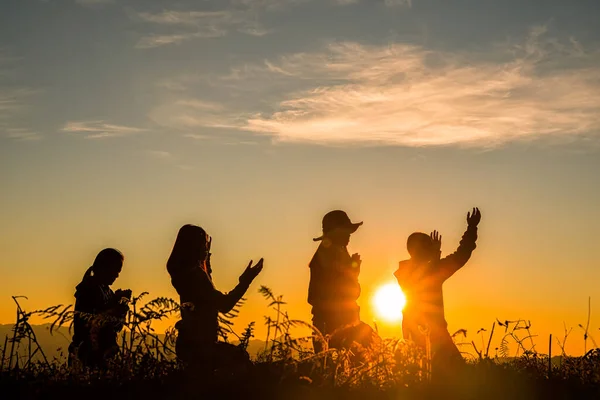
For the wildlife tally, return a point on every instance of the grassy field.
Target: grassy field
(287, 368)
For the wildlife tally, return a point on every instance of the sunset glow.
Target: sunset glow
(389, 302)
(123, 120)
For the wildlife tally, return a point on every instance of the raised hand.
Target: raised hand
(251, 272)
(474, 217)
(208, 254)
(436, 240)
(120, 303)
(120, 293)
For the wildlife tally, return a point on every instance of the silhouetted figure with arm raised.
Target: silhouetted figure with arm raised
(191, 275)
(334, 288)
(421, 279)
(99, 312)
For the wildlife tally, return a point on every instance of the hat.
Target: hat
(337, 219)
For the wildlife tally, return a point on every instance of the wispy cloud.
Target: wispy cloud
(190, 18)
(100, 129)
(241, 16)
(14, 102)
(196, 136)
(268, 5)
(404, 94)
(152, 41)
(21, 134)
(198, 24)
(389, 3)
(393, 3)
(159, 154)
(200, 104)
(168, 158)
(189, 113)
(178, 83)
(94, 3)
(13, 98)
(255, 30)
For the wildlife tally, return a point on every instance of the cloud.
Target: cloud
(100, 129)
(21, 134)
(239, 16)
(14, 102)
(159, 154)
(394, 3)
(13, 99)
(403, 94)
(389, 3)
(200, 104)
(179, 83)
(255, 30)
(198, 24)
(94, 3)
(149, 42)
(168, 159)
(190, 18)
(152, 41)
(185, 114)
(196, 136)
(268, 5)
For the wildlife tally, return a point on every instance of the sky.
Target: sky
(122, 120)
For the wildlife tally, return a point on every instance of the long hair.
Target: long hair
(105, 259)
(189, 250)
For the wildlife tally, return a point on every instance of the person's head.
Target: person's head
(420, 247)
(107, 266)
(190, 250)
(337, 227)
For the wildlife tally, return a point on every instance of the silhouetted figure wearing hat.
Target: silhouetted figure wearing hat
(191, 275)
(421, 279)
(334, 289)
(99, 312)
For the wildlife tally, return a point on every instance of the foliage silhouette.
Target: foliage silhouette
(147, 364)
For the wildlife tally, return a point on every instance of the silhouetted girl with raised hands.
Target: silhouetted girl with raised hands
(99, 312)
(191, 275)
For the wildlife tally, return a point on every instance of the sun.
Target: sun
(389, 302)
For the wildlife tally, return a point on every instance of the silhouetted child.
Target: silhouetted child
(421, 279)
(334, 289)
(191, 275)
(99, 312)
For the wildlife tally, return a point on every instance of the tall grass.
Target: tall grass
(287, 360)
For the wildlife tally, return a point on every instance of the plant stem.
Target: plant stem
(550, 357)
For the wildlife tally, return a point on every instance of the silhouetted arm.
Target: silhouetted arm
(225, 302)
(447, 266)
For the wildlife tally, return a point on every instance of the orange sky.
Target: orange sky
(474, 297)
(120, 121)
